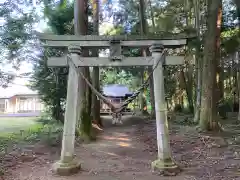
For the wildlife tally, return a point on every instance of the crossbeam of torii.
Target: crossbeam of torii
(67, 163)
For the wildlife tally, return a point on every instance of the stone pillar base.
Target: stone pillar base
(66, 168)
(165, 167)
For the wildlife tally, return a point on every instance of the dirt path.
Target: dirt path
(125, 152)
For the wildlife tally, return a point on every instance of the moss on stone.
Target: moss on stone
(164, 164)
(165, 167)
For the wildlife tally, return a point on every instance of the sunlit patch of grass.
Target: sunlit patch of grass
(14, 124)
(32, 134)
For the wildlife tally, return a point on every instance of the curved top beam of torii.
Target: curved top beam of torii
(168, 40)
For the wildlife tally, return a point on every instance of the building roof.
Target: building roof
(26, 94)
(116, 90)
(15, 90)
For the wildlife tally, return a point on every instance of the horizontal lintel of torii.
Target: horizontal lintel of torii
(106, 44)
(163, 36)
(106, 62)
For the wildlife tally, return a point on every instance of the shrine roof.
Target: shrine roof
(116, 90)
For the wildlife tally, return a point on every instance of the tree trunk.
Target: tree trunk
(189, 89)
(187, 86)
(208, 115)
(95, 73)
(220, 79)
(189, 70)
(84, 127)
(198, 63)
(151, 88)
(198, 88)
(237, 2)
(152, 15)
(145, 52)
(57, 109)
(238, 83)
(151, 83)
(143, 102)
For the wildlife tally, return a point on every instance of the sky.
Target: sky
(18, 86)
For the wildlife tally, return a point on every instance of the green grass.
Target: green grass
(15, 124)
(26, 130)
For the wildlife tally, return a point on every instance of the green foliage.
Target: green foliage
(113, 76)
(52, 85)
(170, 81)
(38, 132)
(230, 40)
(60, 19)
(16, 33)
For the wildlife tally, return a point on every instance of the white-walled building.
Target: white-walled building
(21, 103)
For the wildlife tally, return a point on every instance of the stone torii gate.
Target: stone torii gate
(67, 163)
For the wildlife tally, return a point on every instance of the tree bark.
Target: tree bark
(146, 52)
(208, 116)
(198, 63)
(143, 102)
(189, 88)
(220, 79)
(237, 2)
(238, 83)
(152, 15)
(189, 70)
(95, 73)
(57, 109)
(150, 69)
(84, 125)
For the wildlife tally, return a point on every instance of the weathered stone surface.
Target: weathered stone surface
(66, 168)
(165, 167)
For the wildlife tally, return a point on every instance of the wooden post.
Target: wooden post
(164, 161)
(67, 164)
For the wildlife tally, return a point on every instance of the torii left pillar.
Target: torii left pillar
(68, 164)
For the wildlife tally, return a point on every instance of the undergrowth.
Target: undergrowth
(185, 120)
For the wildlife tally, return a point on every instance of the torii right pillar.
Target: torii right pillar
(164, 163)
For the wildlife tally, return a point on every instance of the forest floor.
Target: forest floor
(126, 152)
